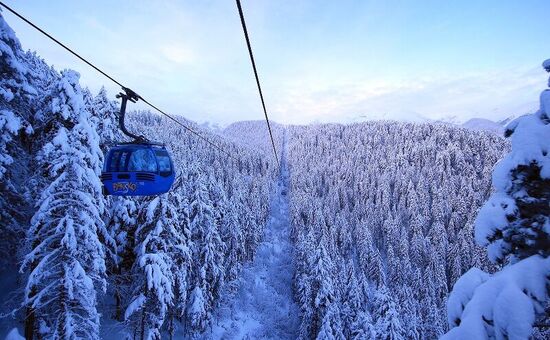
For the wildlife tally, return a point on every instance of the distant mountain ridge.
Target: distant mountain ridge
(476, 123)
(482, 124)
(236, 131)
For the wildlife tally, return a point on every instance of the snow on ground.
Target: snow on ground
(263, 305)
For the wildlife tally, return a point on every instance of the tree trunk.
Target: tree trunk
(29, 322)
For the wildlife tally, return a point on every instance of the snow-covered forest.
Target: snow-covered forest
(378, 230)
(387, 209)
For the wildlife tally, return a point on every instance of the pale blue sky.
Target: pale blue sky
(336, 61)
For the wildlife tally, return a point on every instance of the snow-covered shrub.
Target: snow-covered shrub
(514, 225)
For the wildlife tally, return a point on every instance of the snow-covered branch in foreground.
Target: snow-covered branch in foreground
(514, 225)
(503, 305)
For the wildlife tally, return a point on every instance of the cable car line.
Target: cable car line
(60, 43)
(189, 129)
(245, 31)
(126, 89)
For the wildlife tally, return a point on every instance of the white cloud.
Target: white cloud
(493, 95)
(177, 53)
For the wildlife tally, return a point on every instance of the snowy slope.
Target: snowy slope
(482, 124)
(254, 133)
(263, 305)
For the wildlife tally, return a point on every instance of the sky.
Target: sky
(318, 61)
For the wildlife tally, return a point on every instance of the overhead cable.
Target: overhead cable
(239, 7)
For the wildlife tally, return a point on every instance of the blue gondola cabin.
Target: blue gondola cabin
(137, 169)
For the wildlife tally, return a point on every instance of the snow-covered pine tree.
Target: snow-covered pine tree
(41, 75)
(363, 327)
(16, 99)
(514, 225)
(159, 244)
(105, 112)
(435, 268)
(233, 238)
(252, 228)
(106, 236)
(353, 308)
(323, 289)
(14, 88)
(248, 224)
(409, 310)
(183, 262)
(370, 258)
(122, 225)
(208, 250)
(301, 280)
(331, 324)
(66, 262)
(388, 324)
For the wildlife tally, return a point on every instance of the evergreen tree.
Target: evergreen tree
(352, 301)
(158, 245)
(105, 113)
(233, 238)
(363, 327)
(208, 250)
(14, 88)
(324, 294)
(388, 324)
(16, 98)
(302, 281)
(122, 227)
(182, 260)
(331, 325)
(66, 262)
